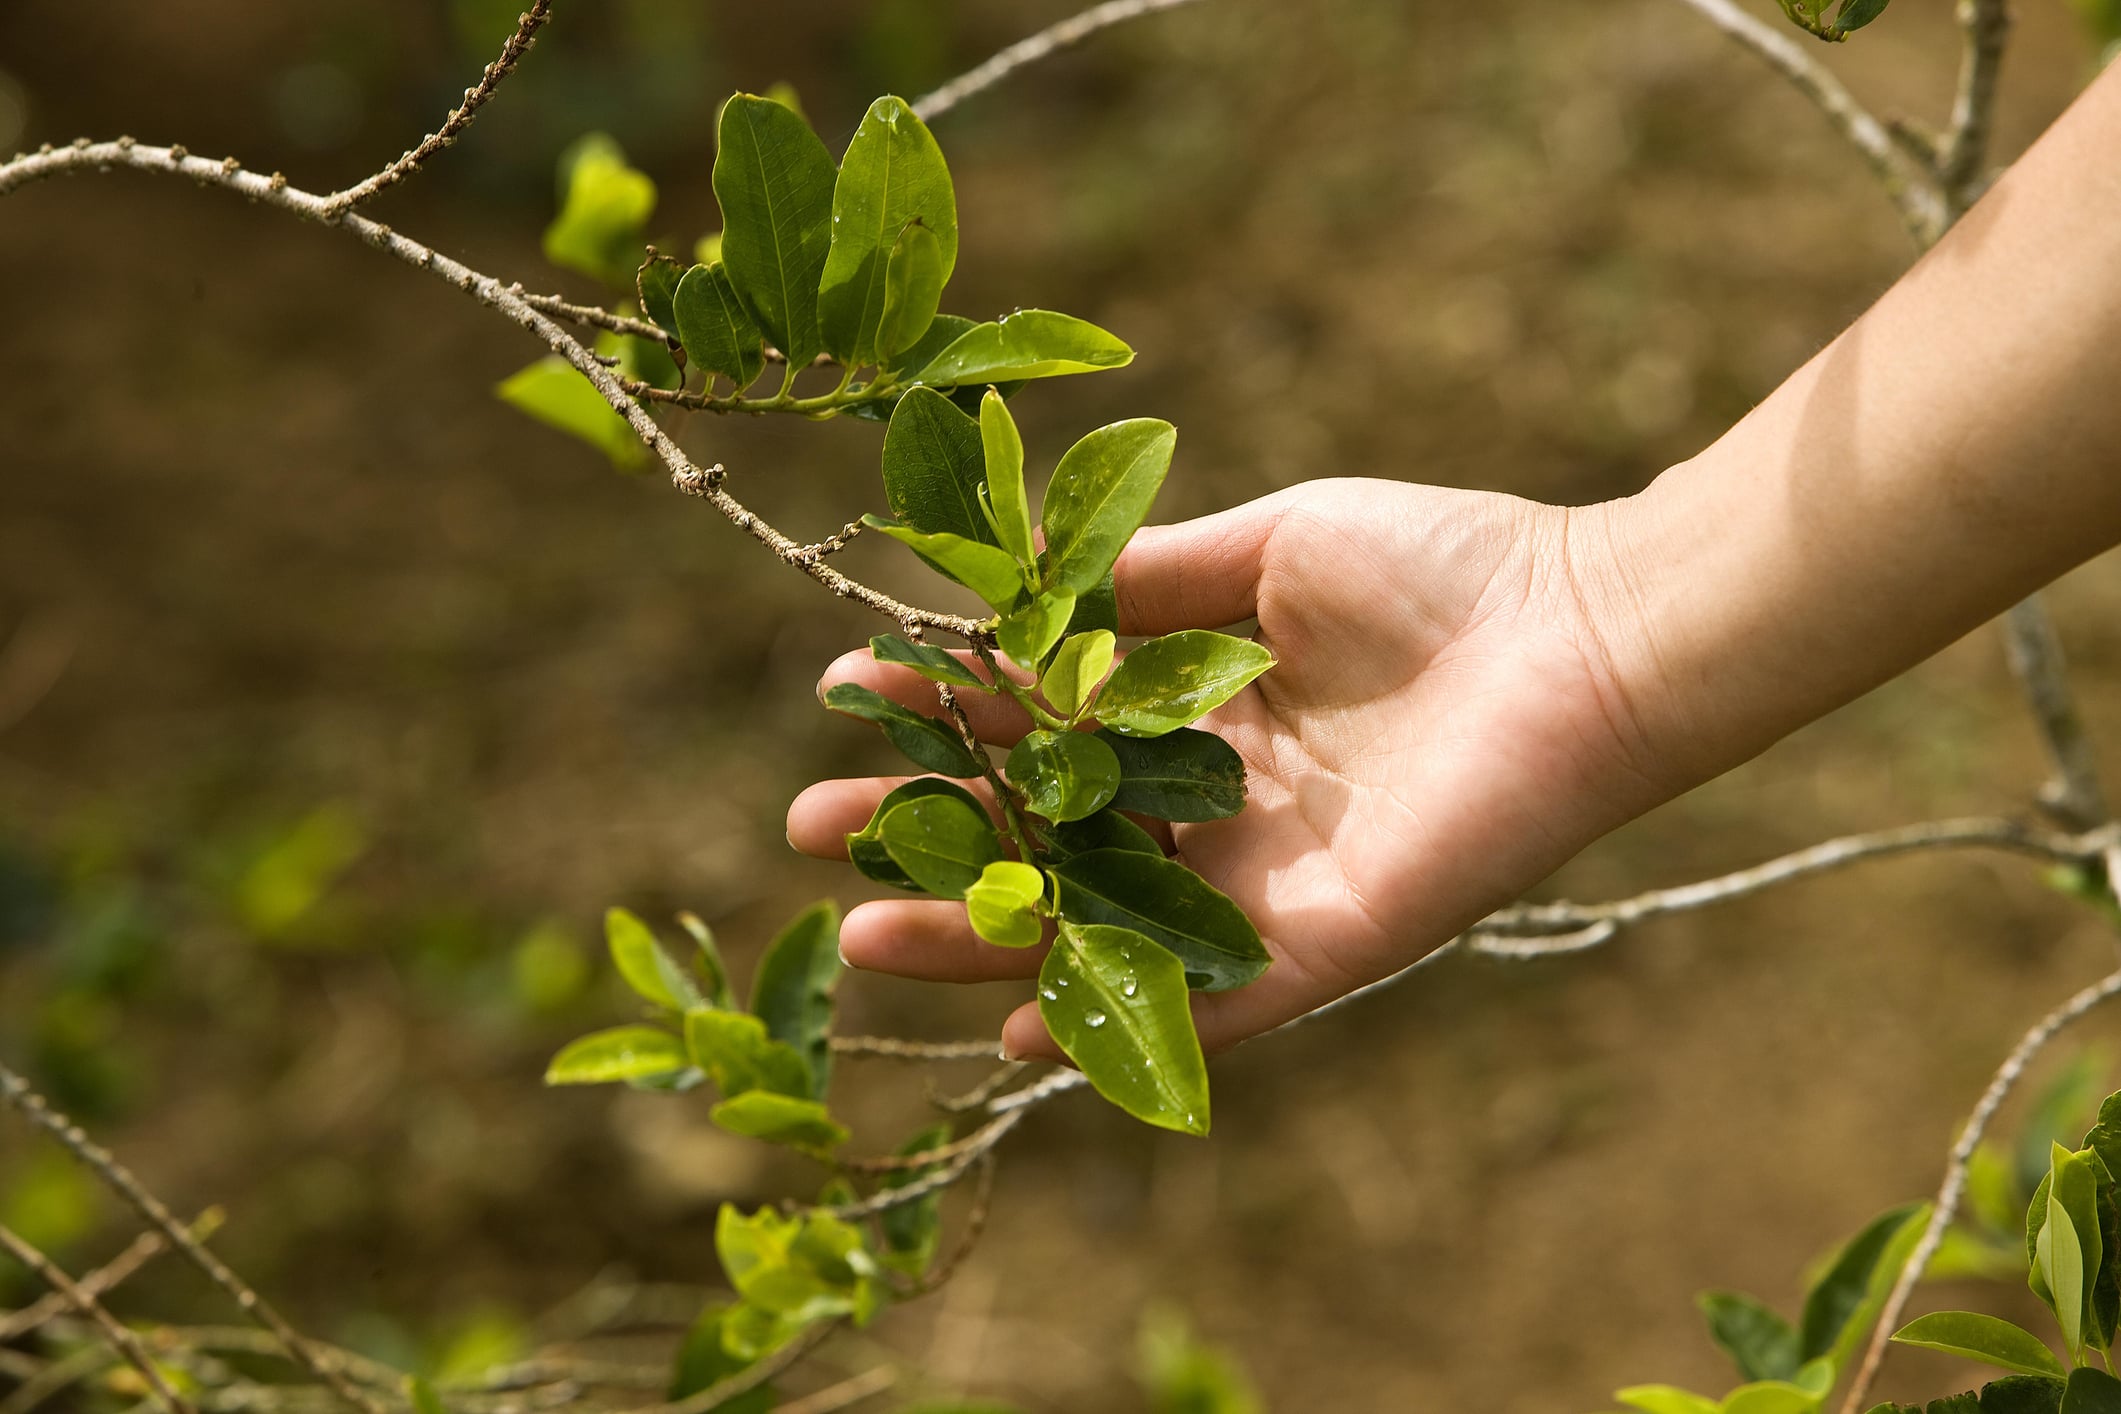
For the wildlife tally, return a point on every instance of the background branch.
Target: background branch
(1050, 40)
(84, 1301)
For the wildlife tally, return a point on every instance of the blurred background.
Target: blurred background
(337, 699)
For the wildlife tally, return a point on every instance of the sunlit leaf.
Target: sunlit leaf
(934, 466)
(931, 662)
(780, 1119)
(1006, 499)
(1107, 829)
(1100, 493)
(1063, 775)
(717, 331)
(866, 848)
(556, 394)
(739, 1057)
(1081, 664)
(641, 960)
(1179, 678)
(774, 181)
(1031, 343)
(1989, 1339)
(719, 988)
(986, 570)
(941, 843)
(1664, 1399)
(893, 179)
(1028, 634)
(1170, 904)
(622, 1053)
(704, 1361)
(1184, 775)
(803, 1268)
(604, 205)
(913, 287)
(1002, 904)
(1117, 1004)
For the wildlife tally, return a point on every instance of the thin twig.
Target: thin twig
(976, 1216)
(891, 1048)
(846, 1392)
(973, 1149)
(1984, 28)
(2036, 660)
(527, 26)
(57, 1377)
(84, 1301)
(119, 1180)
(594, 316)
(997, 1081)
(1954, 1185)
(1072, 30)
(751, 1376)
(105, 1279)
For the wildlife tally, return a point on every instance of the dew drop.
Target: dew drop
(1095, 1019)
(1126, 988)
(1049, 994)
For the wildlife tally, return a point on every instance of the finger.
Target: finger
(929, 942)
(1198, 574)
(993, 717)
(1024, 1037)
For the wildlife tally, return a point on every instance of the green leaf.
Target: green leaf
(912, 1230)
(914, 276)
(1179, 678)
(717, 971)
(604, 204)
(2022, 1394)
(1100, 493)
(1769, 1397)
(1098, 608)
(1843, 1302)
(792, 992)
(704, 1362)
(622, 1053)
(934, 466)
(1760, 1343)
(718, 333)
(554, 392)
(737, 1054)
(655, 284)
(1985, 1338)
(892, 176)
(1664, 1399)
(1077, 669)
(866, 849)
(1183, 1375)
(945, 331)
(1063, 775)
(780, 1119)
(642, 360)
(2068, 1246)
(1855, 14)
(930, 662)
(774, 181)
(931, 745)
(1004, 450)
(1107, 829)
(1117, 1004)
(2091, 1392)
(1183, 775)
(2035, 1220)
(986, 570)
(1031, 343)
(1169, 903)
(421, 1395)
(942, 844)
(1002, 904)
(643, 963)
(1029, 634)
(802, 1268)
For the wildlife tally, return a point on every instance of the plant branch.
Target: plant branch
(751, 1376)
(2036, 659)
(1053, 38)
(84, 1301)
(891, 1048)
(105, 1279)
(594, 316)
(846, 1392)
(1984, 28)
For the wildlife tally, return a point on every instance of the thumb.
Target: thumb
(1198, 574)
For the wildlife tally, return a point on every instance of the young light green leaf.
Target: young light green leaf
(941, 843)
(1169, 903)
(1664, 1399)
(986, 570)
(1002, 904)
(802, 1268)
(1183, 775)
(780, 1119)
(1116, 1003)
(933, 468)
(866, 849)
(732, 1047)
(774, 181)
(792, 992)
(912, 1230)
(1770, 1397)
(931, 745)
(1179, 678)
(421, 1395)
(656, 285)
(719, 990)
(913, 286)
(1760, 1343)
(929, 661)
(1005, 476)
(553, 392)
(1031, 343)
(1028, 634)
(1842, 1304)
(1985, 1338)
(718, 333)
(641, 960)
(604, 204)
(893, 176)
(622, 1053)
(704, 1361)
(1107, 829)
(1077, 669)
(641, 360)
(2069, 1246)
(1063, 775)
(1099, 495)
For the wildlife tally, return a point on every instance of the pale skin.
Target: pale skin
(1471, 687)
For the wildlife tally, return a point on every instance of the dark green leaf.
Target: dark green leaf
(942, 844)
(1097, 609)
(719, 990)
(2091, 1392)
(1847, 1298)
(1117, 1004)
(1990, 1340)
(703, 1362)
(2022, 1394)
(717, 331)
(1100, 493)
(737, 1054)
(1072, 679)
(1009, 506)
(1855, 14)
(911, 1230)
(1002, 904)
(1184, 775)
(1031, 343)
(934, 466)
(556, 394)
(893, 175)
(867, 850)
(641, 960)
(929, 661)
(642, 360)
(1172, 905)
(622, 1053)
(1028, 634)
(913, 286)
(1063, 775)
(774, 180)
(929, 743)
(656, 285)
(780, 1119)
(1107, 829)
(1179, 678)
(792, 992)
(2104, 1138)
(1760, 1343)
(604, 204)
(986, 570)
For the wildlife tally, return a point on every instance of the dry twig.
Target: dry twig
(84, 1301)
(1072, 30)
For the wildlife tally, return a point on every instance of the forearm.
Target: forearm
(1955, 449)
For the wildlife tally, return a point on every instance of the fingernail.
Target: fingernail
(1007, 1054)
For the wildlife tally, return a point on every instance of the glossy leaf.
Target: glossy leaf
(914, 276)
(1760, 1343)
(1007, 501)
(934, 466)
(1072, 679)
(1171, 681)
(1063, 775)
(732, 1047)
(1002, 904)
(1844, 1301)
(780, 1119)
(719, 988)
(946, 330)
(1031, 343)
(604, 205)
(931, 662)
(655, 284)
(912, 1230)
(866, 848)
(1117, 1004)
(1028, 634)
(1981, 1337)
(1171, 905)
(704, 1361)
(792, 992)
(556, 394)
(1097, 609)
(2069, 1245)
(774, 181)
(805, 1267)
(930, 744)
(1100, 493)
(986, 570)
(1184, 775)
(892, 177)
(942, 844)
(718, 333)
(641, 960)
(622, 1053)
(1107, 829)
